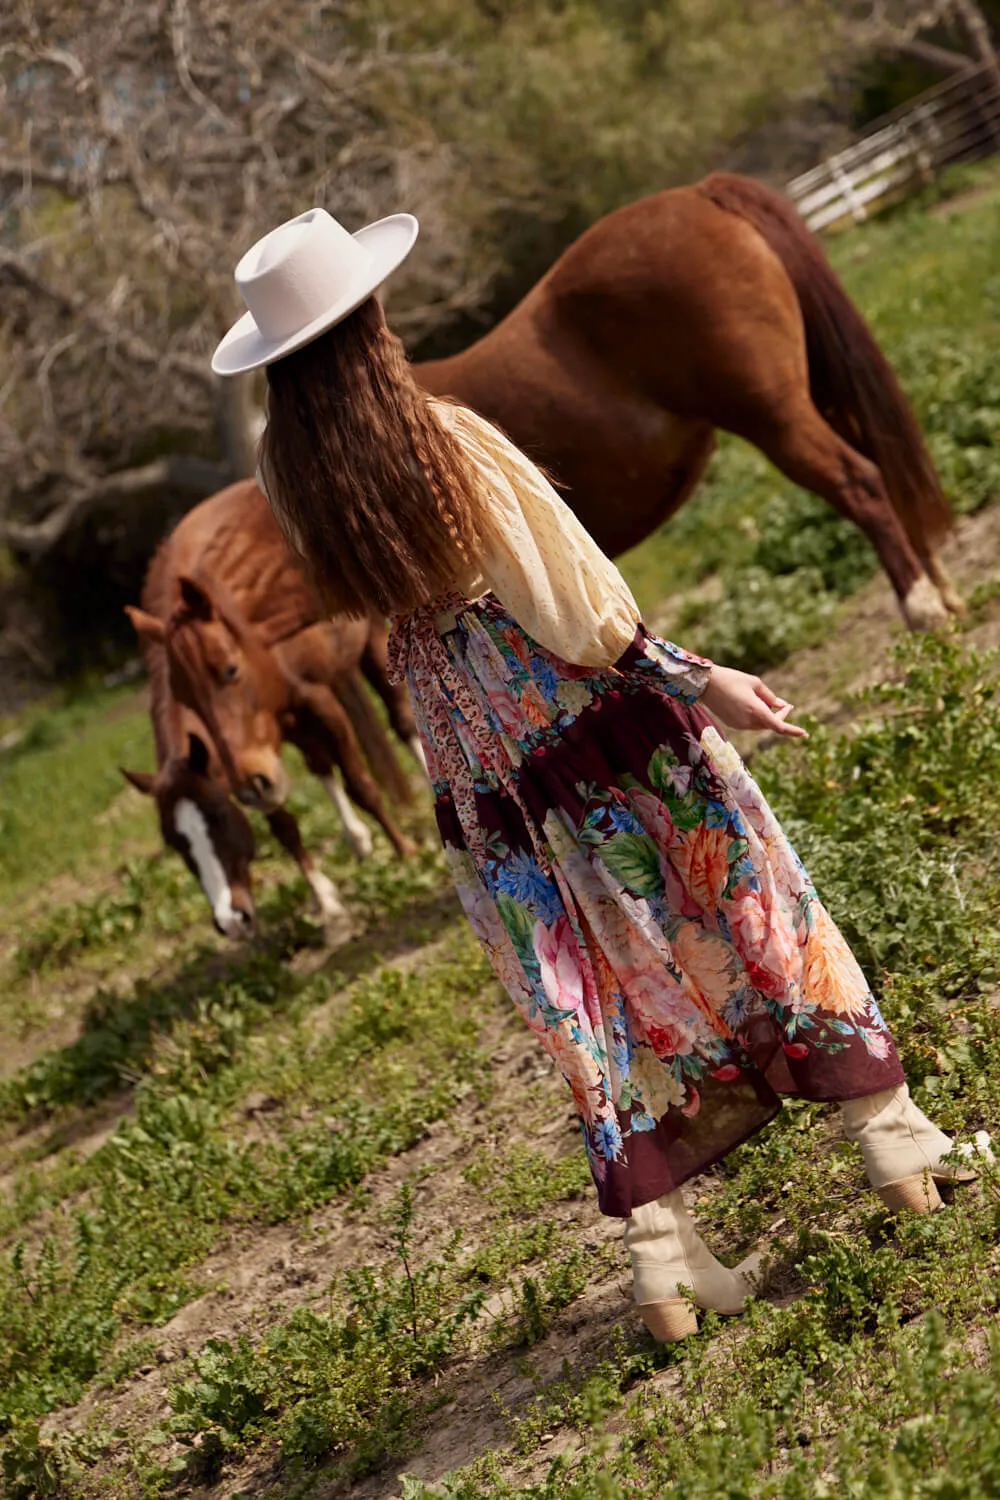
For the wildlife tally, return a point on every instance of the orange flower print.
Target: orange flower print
(533, 708)
(705, 959)
(701, 861)
(832, 977)
(518, 645)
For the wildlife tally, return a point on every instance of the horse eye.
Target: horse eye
(230, 672)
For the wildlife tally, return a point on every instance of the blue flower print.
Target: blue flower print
(609, 1138)
(522, 877)
(545, 675)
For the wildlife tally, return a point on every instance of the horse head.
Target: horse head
(209, 832)
(220, 668)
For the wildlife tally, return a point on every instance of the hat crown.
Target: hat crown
(292, 275)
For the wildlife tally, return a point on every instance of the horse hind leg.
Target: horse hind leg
(333, 913)
(944, 583)
(323, 704)
(374, 665)
(808, 451)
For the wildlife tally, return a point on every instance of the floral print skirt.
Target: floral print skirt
(636, 896)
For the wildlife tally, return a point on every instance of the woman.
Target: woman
(634, 892)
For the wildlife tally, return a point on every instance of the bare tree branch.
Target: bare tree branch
(180, 472)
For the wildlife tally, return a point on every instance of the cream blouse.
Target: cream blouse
(541, 563)
(539, 560)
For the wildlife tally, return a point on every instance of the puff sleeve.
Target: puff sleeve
(546, 568)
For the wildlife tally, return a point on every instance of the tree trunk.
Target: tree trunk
(239, 423)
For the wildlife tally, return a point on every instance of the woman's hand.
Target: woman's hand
(744, 702)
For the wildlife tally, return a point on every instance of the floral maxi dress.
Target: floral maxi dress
(635, 894)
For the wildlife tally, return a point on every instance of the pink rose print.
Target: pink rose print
(559, 959)
(654, 817)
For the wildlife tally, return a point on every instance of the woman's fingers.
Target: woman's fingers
(767, 694)
(774, 713)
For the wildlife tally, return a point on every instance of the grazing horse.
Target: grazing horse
(201, 822)
(707, 307)
(244, 662)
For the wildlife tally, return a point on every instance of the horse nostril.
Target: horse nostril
(261, 784)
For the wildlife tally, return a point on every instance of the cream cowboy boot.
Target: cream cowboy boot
(667, 1254)
(903, 1150)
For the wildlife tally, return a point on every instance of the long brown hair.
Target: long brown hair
(368, 486)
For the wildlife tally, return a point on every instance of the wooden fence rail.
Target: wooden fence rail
(959, 120)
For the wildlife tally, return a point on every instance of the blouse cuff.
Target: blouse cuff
(688, 675)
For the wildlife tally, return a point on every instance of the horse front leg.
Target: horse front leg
(356, 831)
(322, 703)
(284, 825)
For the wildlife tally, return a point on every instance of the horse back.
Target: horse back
(232, 542)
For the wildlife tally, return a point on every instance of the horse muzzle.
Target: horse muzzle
(264, 789)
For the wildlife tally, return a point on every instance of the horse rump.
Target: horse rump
(851, 382)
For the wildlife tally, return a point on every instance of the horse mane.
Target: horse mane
(163, 710)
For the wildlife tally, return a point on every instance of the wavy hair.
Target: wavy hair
(367, 485)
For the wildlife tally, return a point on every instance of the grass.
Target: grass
(176, 1106)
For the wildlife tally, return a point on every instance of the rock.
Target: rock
(259, 1103)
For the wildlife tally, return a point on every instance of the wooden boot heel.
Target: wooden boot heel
(671, 1320)
(917, 1194)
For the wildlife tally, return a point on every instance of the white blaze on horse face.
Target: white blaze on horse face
(189, 821)
(417, 751)
(356, 832)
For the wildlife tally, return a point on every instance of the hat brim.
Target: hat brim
(388, 243)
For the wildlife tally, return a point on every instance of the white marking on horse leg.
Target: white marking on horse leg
(355, 831)
(417, 751)
(190, 823)
(939, 575)
(923, 607)
(331, 907)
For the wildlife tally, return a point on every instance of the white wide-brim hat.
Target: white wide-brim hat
(303, 278)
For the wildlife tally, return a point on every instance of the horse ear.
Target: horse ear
(197, 755)
(196, 600)
(147, 627)
(143, 781)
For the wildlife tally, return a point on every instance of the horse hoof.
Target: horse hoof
(361, 843)
(338, 929)
(923, 608)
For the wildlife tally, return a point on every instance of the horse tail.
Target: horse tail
(851, 382)
(374, 740)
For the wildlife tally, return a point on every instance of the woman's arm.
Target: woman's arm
(546, 568)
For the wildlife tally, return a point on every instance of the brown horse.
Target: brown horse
(207, 829)
(249, 661)
(699, 308)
